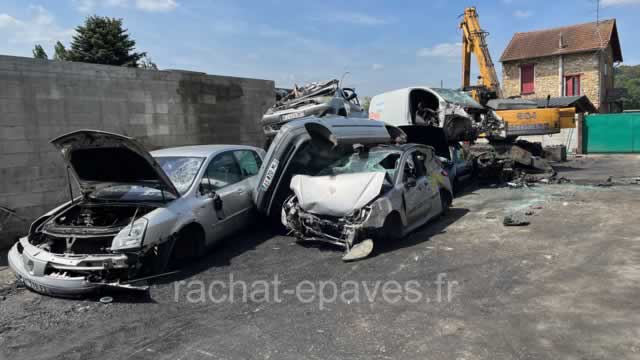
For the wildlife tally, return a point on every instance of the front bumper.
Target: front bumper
(309, 227)
(48, 273)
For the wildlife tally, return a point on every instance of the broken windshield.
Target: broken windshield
(366, 161)
(180, 170)
(458, 97)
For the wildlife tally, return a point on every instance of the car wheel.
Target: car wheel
(189, 244)
(445, 201)
(156, 261)
(392, 228)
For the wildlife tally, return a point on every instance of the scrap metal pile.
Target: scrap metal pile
(505, 161)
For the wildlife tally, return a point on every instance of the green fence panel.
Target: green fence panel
(636, 134)
(612, 133)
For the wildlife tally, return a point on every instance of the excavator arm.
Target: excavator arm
(474, 41)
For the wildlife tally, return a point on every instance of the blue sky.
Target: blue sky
(383, 44)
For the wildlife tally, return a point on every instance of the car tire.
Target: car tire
(445, 201)
(188, 245)
(157, 259)
(392, 228)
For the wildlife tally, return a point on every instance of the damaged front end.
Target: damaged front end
(343, 231)
(82, 247)
(98, 238)
(342, 210)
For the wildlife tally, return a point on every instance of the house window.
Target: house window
(572, 85)
(527, 79)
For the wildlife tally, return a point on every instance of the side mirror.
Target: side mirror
(411, 182)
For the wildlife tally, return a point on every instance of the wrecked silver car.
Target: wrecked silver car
(379, 193)
(138, 213)
(346, 181)
(319, 99)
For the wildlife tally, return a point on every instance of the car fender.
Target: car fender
(34, 225)
(163, 222)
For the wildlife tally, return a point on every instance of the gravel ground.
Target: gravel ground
(565, 286)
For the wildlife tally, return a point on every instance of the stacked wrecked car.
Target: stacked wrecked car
(314, 99)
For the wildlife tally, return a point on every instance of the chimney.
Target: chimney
(561, 43)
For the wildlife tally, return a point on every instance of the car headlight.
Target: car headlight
(131, 236)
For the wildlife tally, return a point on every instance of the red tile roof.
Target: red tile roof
(576, 38)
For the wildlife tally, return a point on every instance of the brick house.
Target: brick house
(565, 61)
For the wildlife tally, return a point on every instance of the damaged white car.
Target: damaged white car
(138, 213)
(380, 193)
(350, 182)
(454, 111)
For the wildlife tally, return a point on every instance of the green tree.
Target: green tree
(366, 102)
(60, 53)
(628, 77)
(103, 40)
(39, 53)
(147, 63)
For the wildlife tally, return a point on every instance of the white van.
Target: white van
(452, 110)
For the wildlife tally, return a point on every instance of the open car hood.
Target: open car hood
(337, 195)
(98, 157)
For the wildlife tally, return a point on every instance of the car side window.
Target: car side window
(222, 171)
(249, 162)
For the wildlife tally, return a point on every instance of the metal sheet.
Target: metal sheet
(612, 133)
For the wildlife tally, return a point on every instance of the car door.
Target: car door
(416, 190)
(432, 172)
(223, 179)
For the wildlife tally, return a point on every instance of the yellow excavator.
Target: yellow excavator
(518, 118)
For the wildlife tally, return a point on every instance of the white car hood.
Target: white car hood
(337, 195)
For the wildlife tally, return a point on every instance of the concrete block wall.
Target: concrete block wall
(42, 99)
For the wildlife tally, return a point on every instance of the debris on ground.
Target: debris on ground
(515, 219)
(106, 299)
(556, 153)
(519, 162)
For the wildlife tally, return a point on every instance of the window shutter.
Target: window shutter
(526, 79)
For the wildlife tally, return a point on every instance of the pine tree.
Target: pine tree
(39, 53)
(60, 53)
(103, 40)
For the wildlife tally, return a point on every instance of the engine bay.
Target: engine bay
(85, 228)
